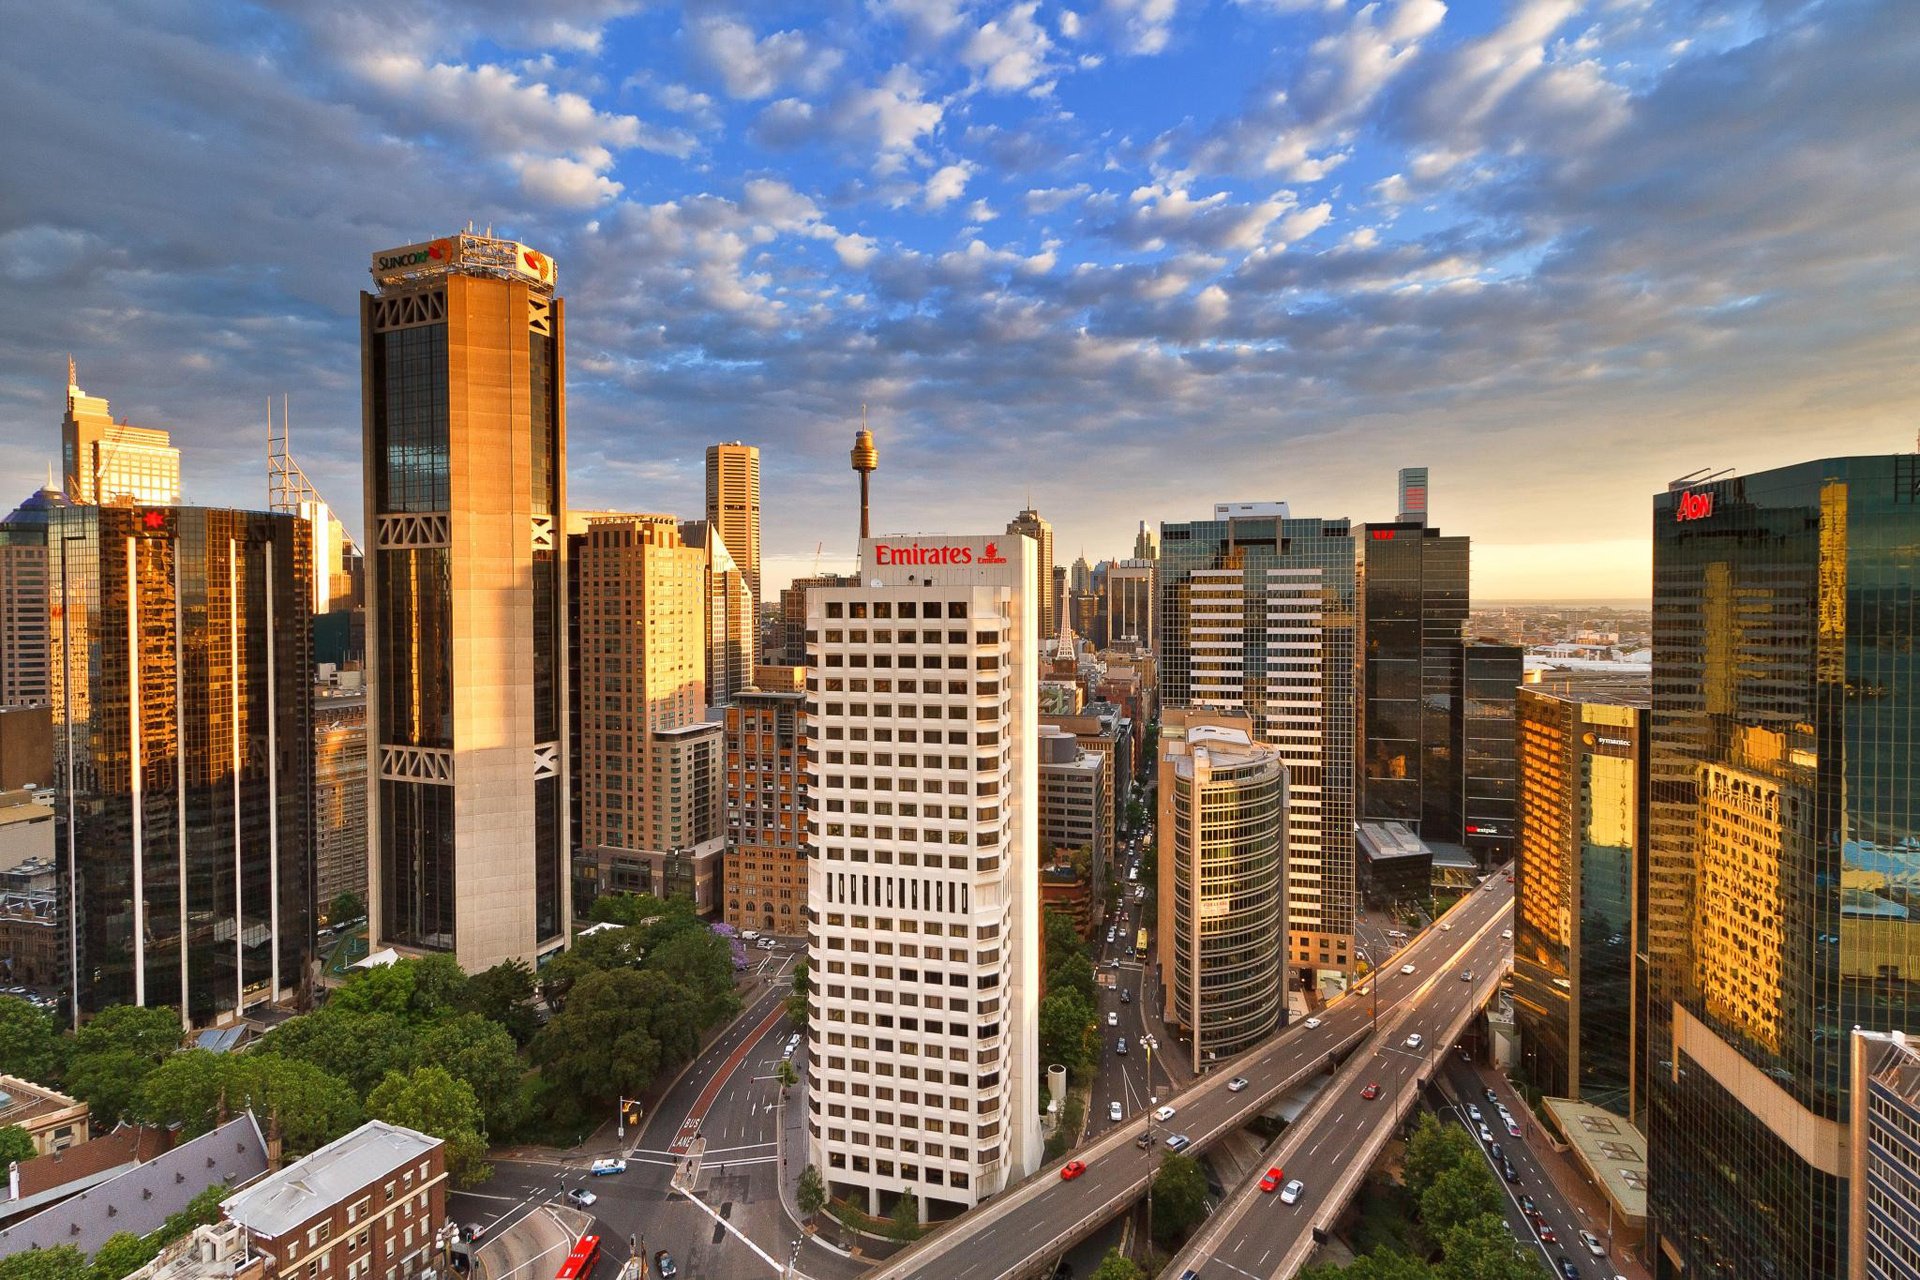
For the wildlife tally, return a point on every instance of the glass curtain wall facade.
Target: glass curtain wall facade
(183, 754)
(1257, 614)
(464, 426)
(1488, 783)
(1783, 867)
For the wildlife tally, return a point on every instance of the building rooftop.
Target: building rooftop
(22, 1100)
(1380, 840)
(1613, 1152)
(276, 1205)
(143, 1197)
(1612, 690)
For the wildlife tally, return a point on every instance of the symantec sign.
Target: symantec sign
(923, 553)
(1693, 506)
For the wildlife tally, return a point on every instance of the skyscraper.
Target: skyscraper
(925, 941)
(649, 763)
(1483, 743)
(108, 462)
(1034, 526)
(464, 411)
(1257, 615)
(1145, 545)
(339, 796)
(767, 748)
(26, 609)
(732, 616)
(1129, 600)
(183, 756)
(1413, 495)
(1580, 865)
(1783, 822)
(733, 507)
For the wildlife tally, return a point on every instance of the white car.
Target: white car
(1312, 1023)
(1507, 933)
(1236, 1084)
(1473, 1113)
(1113, 1018)
(1593, 1244)
(1486, 1135)
(603, 1167)
(1113, 1112)
(580, 1197)
(1291, 1193)
(1395, 934)
(1163, 1115)
(749, 934)
(1406, 968)
(1414, 1041)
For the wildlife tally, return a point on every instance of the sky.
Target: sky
(1116, 259)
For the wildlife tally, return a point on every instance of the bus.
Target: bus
(1140, 944)
(579, 1263)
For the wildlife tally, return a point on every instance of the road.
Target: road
(1034, 1222)
(1258, 1235)
(1123, 1078)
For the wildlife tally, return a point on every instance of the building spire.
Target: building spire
(73, 376)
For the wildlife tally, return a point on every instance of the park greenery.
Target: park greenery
(1179, 1198)
(1462, 1231)
(1069, 1015)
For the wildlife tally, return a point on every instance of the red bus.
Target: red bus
(579, 1263)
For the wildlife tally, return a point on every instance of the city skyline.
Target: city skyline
(1307, 248)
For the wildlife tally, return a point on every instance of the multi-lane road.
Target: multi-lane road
(1025, 1227)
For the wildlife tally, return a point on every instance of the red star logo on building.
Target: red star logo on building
(154, 519)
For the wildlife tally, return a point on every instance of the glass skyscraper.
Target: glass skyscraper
(464, 419)
(183, 750)
(1784, 856)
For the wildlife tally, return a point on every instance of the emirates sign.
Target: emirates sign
(1693, 506)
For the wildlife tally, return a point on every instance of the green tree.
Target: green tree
(62, 1262)
(1117, 1266)
(1062, 939)
(204, 1208)
(786, 1074)
(113, 1053)
(30, 1044)
(1066, 1024)
(439, 987)
(812, 1191)
(436, 1103)
(1484, 1249)
(1383, 1264)
(1432, 1150)
(15, 1144)
(594, 953)
(482, 1054)
(1074, 974)
(504, 994)
(603, 1043)
(348, 1040)
(1179, 1198)
(109, 1083)
(904, 1223)
(797, 1002)
(344, 908)
(123, 1252)
(631, 908)
(185, 1090)
(1457, 1196)
(701, 961)
(385, 988)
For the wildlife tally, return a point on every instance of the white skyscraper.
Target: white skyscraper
(923, 891)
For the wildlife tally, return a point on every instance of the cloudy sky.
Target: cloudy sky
(1121, 258)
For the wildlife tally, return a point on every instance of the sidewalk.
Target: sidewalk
(1566, 1174)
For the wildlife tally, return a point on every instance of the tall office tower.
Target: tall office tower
(1413, 606)
(183, 754)
(1082, 577)
(767, 744)
(733, 507)
(1145, 545)
(1413, 495)
(1483, 743)
(650, 772)
(923, 892)
(339, 796)
(1579, 867)
(1883, 1223)
(1076, 809)
(26, 609)
(1105, 730)
(732, 618)
(1784, 818)
(1034, 526)
(1222, 894)
(1256, 615)
(462, 358)
(1129, 599)
(793, 613)
(107, 462)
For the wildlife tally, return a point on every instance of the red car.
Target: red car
(1272, 1181)
(1072, 1169)
(1546, 1234)
(1371, 1092)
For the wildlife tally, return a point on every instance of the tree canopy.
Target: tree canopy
(1179, 1198)
(435, 1102)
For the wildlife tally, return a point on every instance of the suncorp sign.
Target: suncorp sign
(434, 252)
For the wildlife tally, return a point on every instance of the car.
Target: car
(663, 1265)
(1546, 1232)
(1072, 1169)
(1120, 1046)
(1509, 877)
(1473, 1113)
(1415, 1040)
(1396, 934)
(1466, 975)
(749, 935)
(1567, 1269)
(1163, 1115)
(1526, 1205)
(1493, 1149)
(1144, 1141)
(1236, 1084)
(1446, 926)
(1486, 1134)
(476, 1230)
(1593, 1244)
(1507, 934)
(1113, 1111)
(1313, 1024)
(1179, 1142)
(1513, 1130)
(1406, 968)
(581, 1198)
(1113, 1018)
(1293, 1191)
(613, 1164)
(1109, 933)
(1371, 1092)
(1508, 1172)
(1126, 996)
(1271, 1182)
(1493, 1097)
(766, 944)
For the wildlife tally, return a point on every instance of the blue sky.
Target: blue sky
(1119, 258)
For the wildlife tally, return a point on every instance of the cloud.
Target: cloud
(749, 67)
(1140, 26)
(947, 184)
(890, 118)
(1010, 52)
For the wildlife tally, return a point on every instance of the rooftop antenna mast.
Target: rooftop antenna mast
(287, 484)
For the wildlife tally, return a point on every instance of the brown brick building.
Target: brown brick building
(766, 877)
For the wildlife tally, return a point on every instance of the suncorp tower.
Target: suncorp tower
(922, 894)
(464, 411)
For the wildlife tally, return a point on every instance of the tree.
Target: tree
(15, 1144)
(797, 1002)
(504, 994)
(786, 1074)
(631, 908)
(1458, 1196)
(62, 1262)
(439, 987)
(1065, 1021)
(113, 1053)
(122, 1253)
(345, 907)
(482, 1054)
(30, 1045)
(812, 1192)
(1383, 1264)
(109, 1083)
(1074, 974)
(185, 1090)
(349, 1040)
(311, 1107)
(204, 1208)
(601, 1045)
(904, 1223)
(385, 988)
(701, 961)
(1179, 1198)
(1484, 1249)
(1433, 1149)
(1117, 1266)
(432, 1101)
